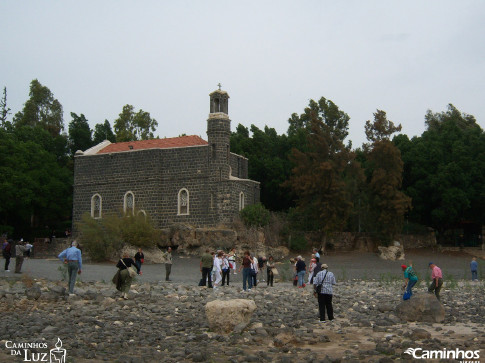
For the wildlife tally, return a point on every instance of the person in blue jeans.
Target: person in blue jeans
(474, 269)
(300, 268)
(246, 270)
(410, 278)
(73, 259)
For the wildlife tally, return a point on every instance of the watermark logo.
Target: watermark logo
(24, 350)
(465, 356)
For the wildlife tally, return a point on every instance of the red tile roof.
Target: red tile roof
(182, 141)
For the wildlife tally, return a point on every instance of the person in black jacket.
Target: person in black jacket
(139, 258)
(7, 253)
(125, 278)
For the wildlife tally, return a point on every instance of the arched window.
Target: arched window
(183, 202)
(96, 206)
(241, 201)
(129, 203)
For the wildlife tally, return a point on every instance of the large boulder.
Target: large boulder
(224, 315)
(423, 307)
(392, 253)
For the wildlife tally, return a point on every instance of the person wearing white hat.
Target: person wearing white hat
(323, 285)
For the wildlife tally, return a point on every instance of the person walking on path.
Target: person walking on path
(410, 278)
(7, 253)
(226, 270)
(206, 263)
(474, 269)
(437, 277)
(246, 270)
(323, 288)
(270, 265)
(300, 269)
(19, 256)
(255, 270)
(218, 269)
(72, 257)
(139, 259)
(168, 263)
(125, 277)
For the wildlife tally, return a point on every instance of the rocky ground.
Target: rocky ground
(165, 322)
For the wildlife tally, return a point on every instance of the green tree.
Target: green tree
(41, 109)
(321, 174)
(4, 110)
(79, 134)
(103, 132)
(387, 203)
(267, 153)
(36, 187)
(131, 126)
(445, 171)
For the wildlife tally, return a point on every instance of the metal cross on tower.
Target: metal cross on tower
(219, 85)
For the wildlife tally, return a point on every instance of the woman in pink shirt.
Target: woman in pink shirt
(437, 280)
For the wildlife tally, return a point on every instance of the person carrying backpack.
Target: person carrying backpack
(410, 279)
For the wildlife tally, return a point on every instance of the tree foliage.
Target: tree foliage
(36, 182)
(321, 174)
(80, 134)
(387, 204)
(267, 153)
(42, 110)
(131, 126)
(103, 132)
(4, 110)
(444, 170)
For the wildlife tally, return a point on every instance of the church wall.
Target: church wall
(239, 166)
(155, 177)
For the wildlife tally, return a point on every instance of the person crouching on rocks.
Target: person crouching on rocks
(410, 278)
(125, 278)
(323, 289)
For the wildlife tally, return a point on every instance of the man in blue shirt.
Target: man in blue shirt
(325, 279)
(474, 269)
(72, 257)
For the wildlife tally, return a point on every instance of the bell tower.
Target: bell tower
(219, 135)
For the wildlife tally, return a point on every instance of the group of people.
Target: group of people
(216, 269)
(411, 278)
(22, 250)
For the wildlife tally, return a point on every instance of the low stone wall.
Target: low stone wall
(348, 241)
(194, 241)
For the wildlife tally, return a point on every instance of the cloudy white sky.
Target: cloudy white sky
(272, 57)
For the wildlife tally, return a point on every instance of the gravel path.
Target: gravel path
(350, 265)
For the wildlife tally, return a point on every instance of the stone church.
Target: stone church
(180, 180)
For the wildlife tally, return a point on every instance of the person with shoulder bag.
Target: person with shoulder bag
(323, 289)
(128, 269)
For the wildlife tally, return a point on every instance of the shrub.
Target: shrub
(298, 242)
(255, 215)
(103, 237)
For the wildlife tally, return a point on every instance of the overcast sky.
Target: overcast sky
(272, 57)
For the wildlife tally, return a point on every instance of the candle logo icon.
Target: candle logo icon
(58, 354)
